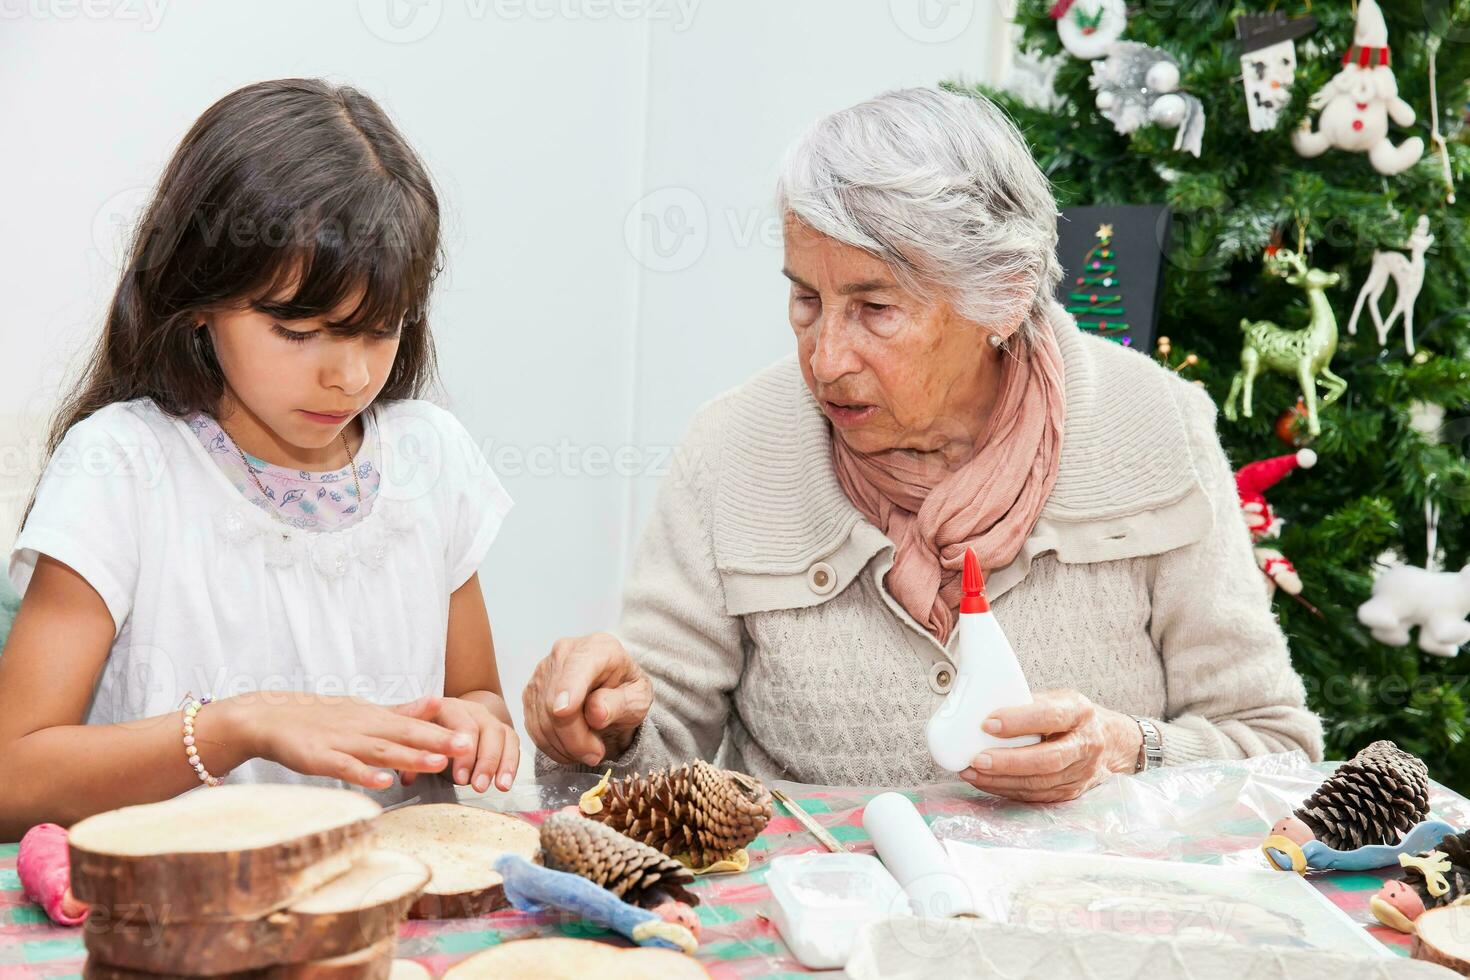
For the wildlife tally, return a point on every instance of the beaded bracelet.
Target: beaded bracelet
(192, 708)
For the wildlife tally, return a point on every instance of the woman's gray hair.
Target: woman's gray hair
(940, 186)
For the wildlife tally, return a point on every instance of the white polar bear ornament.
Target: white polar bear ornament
(1359, 101)
(1437, 602)
(1087, 28)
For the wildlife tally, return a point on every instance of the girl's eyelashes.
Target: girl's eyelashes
(293, 336)
(302, 336)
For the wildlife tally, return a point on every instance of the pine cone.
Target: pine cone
(1456, 847)
(1373, 798)
(698, 810)
(634, 872)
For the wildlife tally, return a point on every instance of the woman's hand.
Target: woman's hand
(495, 749)
(586, 699)
(1082, 745)
(344, 738)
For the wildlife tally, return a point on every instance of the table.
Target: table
(738, 942)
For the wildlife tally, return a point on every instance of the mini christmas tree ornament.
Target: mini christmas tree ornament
(1375, 798)
(1087, 28)
(1301, 354)
(1407, 273)
(1251, 483)
(696, 810)
(1431, 879)
(1268, 62)
(1095, 301)
(632, 871)
(1359, 101)
(1137, 84)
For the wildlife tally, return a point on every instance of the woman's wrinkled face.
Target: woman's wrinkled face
(292, 387)
(890, 369)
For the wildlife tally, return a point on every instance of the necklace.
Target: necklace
(351, 462)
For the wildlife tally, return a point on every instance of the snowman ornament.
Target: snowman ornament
(1358, 102)
(1268, 63)
(1087, 28)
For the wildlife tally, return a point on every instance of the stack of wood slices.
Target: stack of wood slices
(282, 882)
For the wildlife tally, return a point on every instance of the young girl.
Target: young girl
(252, 554)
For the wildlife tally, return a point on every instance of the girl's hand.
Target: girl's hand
(344, 738)
(1082, 745)
(494, 749)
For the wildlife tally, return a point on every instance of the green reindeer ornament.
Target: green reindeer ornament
(1304, 354)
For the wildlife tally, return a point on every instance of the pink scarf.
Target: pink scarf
(989, 504)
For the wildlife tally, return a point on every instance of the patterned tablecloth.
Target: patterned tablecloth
(738, 940)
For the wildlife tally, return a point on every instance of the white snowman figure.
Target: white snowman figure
(1357, 104)
(1087, 28)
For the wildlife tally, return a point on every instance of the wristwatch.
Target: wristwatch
(1151, 752)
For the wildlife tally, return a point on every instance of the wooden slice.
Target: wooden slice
(370, 963)
(361, 908)
(575, 959)
(459, 843)
(223, 852)
(1442, 936)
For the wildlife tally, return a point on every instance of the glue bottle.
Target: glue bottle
(988, 677)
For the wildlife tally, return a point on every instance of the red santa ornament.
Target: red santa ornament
(1358, 102)
(1251, 483)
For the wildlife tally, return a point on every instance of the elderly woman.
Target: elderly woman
(794, 597)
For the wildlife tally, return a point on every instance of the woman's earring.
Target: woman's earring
(996, 340)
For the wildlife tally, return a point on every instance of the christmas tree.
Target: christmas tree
(1091, 297)
(1392, 447)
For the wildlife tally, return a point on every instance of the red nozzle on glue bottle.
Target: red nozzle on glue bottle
(988, 676)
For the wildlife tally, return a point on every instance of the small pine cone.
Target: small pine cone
(634, 872)
(696, 809)
(1373, 798)
(1456, 847)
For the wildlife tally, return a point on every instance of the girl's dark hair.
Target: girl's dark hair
(281, 184)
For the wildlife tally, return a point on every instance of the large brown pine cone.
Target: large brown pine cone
(634, 872)
(696, 809)
(1373, 798)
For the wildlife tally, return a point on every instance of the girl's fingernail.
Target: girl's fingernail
(462, 776)
(591, 758)
(968, 775)
(992, 726)
(435, 759)
(982, 761)
(504, 782)
(482, 783)
(562, 700)
(460, 741)
(385, 778)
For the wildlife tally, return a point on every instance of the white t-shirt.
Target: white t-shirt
(211, 595)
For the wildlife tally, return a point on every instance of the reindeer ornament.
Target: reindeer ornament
(1303, 354)
(1407, 273)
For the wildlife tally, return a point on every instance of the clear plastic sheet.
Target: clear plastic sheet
(1209, 812)
(1213, 812)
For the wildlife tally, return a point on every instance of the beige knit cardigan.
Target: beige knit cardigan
(756, 602)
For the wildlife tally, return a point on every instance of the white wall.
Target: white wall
(564, 136)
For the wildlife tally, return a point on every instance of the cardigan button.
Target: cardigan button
(821, 578)
(941, 677)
